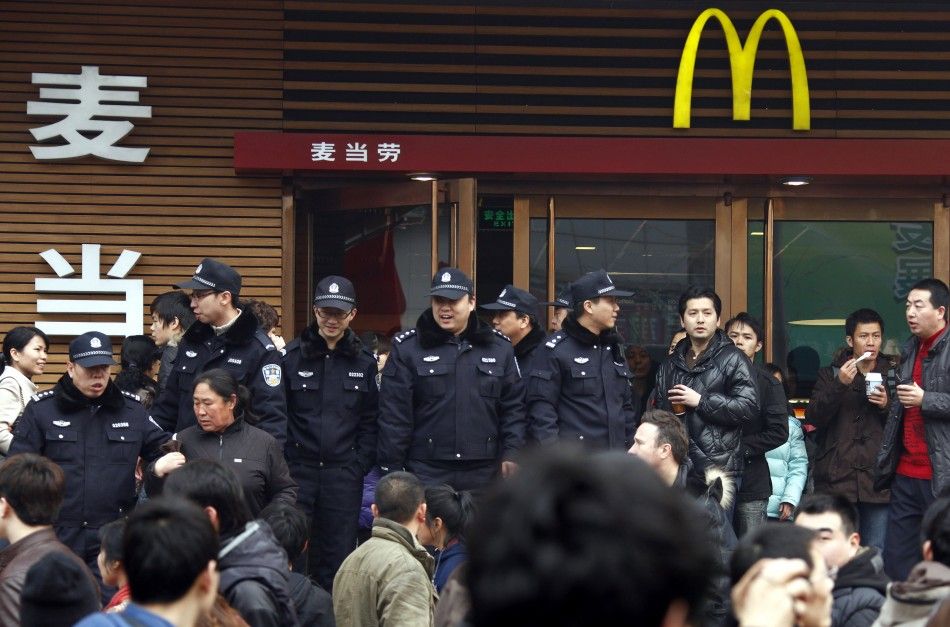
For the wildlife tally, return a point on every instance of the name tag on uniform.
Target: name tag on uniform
(62, 423)
(238, 460)
(430, 358)
(488, 360)
(191, 354)
(234, 360)
(120, 425)
(305, 373)
(582, 360)
(356, 375)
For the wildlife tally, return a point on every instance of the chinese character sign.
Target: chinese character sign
(92, 121)
(90, 282)
(356, 152)
(913, 243)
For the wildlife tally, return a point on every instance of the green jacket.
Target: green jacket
(386, 581)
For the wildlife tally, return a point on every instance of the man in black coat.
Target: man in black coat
(516, 315)
(767, 430)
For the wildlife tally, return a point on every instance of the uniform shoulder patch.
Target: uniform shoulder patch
(502, 335)
(405, 335)
(134, 397)
(554, 340)
(43, 395)
(265, 341)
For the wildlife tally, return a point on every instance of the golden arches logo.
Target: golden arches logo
(742, 64)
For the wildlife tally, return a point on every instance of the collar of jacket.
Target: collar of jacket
(432, 335)
(241, 332)
(313, 345)
(607, 337)
(386, 529)
(70, 399)
(924, 577)
(234, 427)
(529, 342)
(37, 538)
(912, 345)
(864, 570)
(719, 341)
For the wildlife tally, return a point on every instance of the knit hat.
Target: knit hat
(57, 592)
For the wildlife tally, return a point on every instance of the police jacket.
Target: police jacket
(579, 389)
(244, 350)
(96, 442)
(723, 377)
(332, 401)
(767, 430)
(526, 351)
(935, 411)
(450, 398)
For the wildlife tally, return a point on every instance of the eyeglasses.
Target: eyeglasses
(201, 294)
(334, 314)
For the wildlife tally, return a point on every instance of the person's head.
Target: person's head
(383, 347)
(215, 488)
(448, 516)
(31, 491)
(169, 552)
(926, 307)
(90, 363)
(557, 318)
(581, 539)
(594, 297)
(110, 553)
(171, 317)
(863, 331)
(218, 400)
(215, 288)
(334, 306)
(935, 531)
(289, 524)
(266, 315)
(452, 300)
(746, 333)
(400, 497)
(57, 591)
(775, 540)
(700, 308)
(640, 362)
(140, 353)
(835, 519)
(562, 307)
(677, 337)
(25, 348)
(660, 440)
(515, 313)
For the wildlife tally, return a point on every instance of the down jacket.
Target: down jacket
(859, 590)
(788, 466)
(723, 377)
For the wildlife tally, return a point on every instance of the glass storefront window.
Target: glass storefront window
(538, 263)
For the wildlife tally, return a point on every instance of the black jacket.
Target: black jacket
(859, 590)
(767, 430)
(255, 577)
(526, 351)
(579, 390)
(332, 401)
(246, 351)
(451, 399)
(935, 411)
(254, 456)
(723, 377)
(313, 604)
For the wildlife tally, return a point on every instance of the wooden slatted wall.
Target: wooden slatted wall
(213, 67)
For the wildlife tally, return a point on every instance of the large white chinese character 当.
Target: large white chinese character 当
(92, 283)
(89, 126)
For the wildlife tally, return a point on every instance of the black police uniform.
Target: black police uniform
(579, 383)
(514, 299)
(332, 404)
(97, 443)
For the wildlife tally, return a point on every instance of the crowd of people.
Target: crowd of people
(477, 469)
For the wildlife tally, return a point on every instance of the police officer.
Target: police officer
(332, 404)
(223, 336)
(451, 399)
(562, 305)
(579, 386)
(516, 315)
(96, 433)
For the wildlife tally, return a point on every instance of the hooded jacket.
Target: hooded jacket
(313, 604)
(859, 590)
(245, 351)
(910, 602)
(723, 377)
(450, 398)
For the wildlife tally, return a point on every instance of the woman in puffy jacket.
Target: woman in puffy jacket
(788, 465)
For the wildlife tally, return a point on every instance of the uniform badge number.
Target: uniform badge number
(271, 375)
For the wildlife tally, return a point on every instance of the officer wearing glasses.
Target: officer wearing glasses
(223, 336)
(332, 403)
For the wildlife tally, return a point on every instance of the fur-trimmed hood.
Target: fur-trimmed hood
(529, 342)
(432, 335)
(241, 332)
(70, 399)
(313, 345)
(608, 337)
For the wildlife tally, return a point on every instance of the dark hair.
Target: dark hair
(578, 307)
(576, 539)
(743, 317)
(171, 305)
(936, 528)
(167, 544)
(939, 294)
(266, 314)
(223, 383)
(669, 430)
(384, 345)
(456, 509)
(398, 496)
(773, 369)
(139, 353)
(818, 503)
(18, 338)
(289, 524)
(33, 486)
(771, 540)
(695, 291)
(862, 316)
(209, 483)
(110, 539)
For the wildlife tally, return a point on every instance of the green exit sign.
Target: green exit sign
(496, 219)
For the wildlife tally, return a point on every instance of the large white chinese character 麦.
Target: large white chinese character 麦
(91, 283)
(322, 151)
(357, 152)
(85, 128)
(388, 152)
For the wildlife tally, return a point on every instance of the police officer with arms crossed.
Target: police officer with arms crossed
(579, 385)
(451, 406)
(332, 406)
(223, 336)
(96, 433)
(516, 315)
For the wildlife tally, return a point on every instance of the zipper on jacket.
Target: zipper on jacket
(221, 448)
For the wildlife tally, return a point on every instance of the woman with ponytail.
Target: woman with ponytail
(448, 516)
(140, 360)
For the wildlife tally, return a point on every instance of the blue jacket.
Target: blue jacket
(246, 351)
(788, 466)
(446, 561)
(332, 401)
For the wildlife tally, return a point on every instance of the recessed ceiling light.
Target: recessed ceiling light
(422, 176)
(585, 248)
(759, 233)
(796, 181)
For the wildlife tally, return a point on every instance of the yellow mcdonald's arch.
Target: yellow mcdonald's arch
(742, 64)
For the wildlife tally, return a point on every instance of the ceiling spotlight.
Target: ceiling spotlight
(422, 176)
(796, 181)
